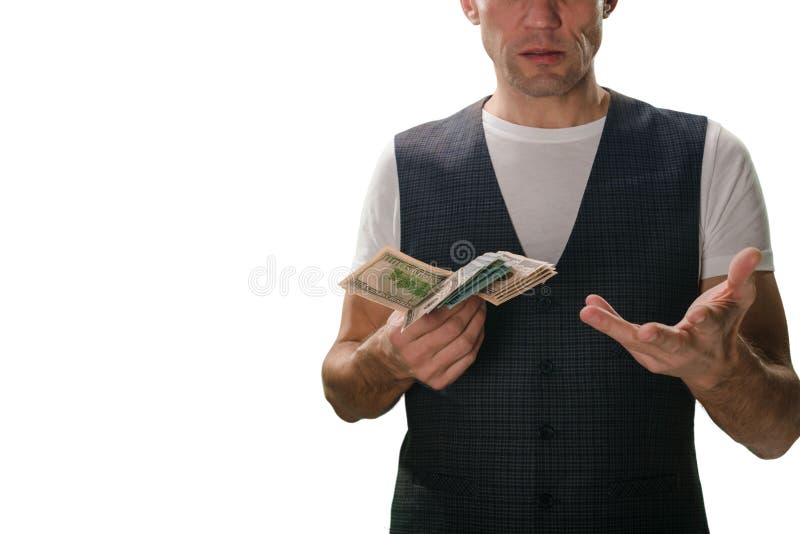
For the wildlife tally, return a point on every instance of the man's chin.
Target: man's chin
(540, 88)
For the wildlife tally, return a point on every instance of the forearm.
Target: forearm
(758, 405)
(364, 379)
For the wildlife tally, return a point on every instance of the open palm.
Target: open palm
(702, 348)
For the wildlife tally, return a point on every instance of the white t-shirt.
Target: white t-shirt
(542, 173)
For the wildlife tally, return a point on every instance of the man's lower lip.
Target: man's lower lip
(547, 59)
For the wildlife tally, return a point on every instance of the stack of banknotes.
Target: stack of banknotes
(403, 283)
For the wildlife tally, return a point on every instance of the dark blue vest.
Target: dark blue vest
(556, 428)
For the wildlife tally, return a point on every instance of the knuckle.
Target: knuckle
(424, 375)
(412, 359)
(395, 338)
(474, 336)
(434, 349)
(462, 345)
(428, 322)
(437, 383)
(453, 326)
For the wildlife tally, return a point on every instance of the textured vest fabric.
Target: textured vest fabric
(555, 428)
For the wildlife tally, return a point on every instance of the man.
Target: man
(558, 412)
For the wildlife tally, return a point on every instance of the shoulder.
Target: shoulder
(660, 120)
(649, 112)
(386, 165)
(660, 126)
(728, 145)
(432, 134)
(726, 157)
(733, 209)
(382, 189)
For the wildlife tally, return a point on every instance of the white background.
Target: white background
(156, 154)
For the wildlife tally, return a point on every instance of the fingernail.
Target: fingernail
(700, 319)
(396, 318)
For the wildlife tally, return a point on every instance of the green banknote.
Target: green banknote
(400, 282)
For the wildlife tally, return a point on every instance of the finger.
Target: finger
(667, 338)
(452, 373)
(461, 345)
(702, 317)
(610, 324)
(742, 267)
(600, 302)
(619, 329)
(433, 341)
(708, 321)
(432, 321)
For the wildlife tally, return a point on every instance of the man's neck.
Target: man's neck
(584, 103)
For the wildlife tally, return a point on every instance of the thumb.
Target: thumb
(396, 319)
(742, 267)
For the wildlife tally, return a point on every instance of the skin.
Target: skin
(545, 96)
(731, 349)
(371, 363)
(732, 346)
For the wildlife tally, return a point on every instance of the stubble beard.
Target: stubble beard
(552, 83)
(545, 84)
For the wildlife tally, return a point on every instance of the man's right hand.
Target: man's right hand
(371, 363)
(439, 346)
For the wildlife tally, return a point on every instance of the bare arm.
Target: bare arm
(371, 363)
(732, 351)
(361, 375)
(759, 404)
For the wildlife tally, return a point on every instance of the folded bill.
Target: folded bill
(400, 282)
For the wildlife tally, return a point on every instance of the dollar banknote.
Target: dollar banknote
(525, 274)
(404, 283)
(395, 280)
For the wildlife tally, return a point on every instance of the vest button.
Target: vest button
(546, 366)
(545, 500)
(546, 432)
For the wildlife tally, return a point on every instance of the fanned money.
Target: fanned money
(400, 282)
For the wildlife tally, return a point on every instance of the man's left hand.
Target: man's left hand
(703, 349)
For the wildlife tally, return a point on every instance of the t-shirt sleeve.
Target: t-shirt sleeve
(733, 212)
(380, 214)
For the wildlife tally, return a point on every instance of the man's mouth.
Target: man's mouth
(542, 55)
